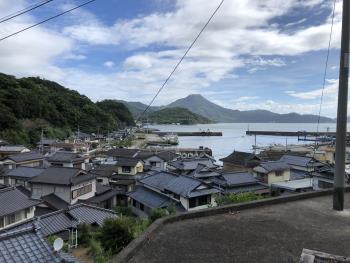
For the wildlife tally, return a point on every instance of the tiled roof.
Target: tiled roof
(150, 198)
(90, 214)
(12, 148)
(65, 157)
(159, 180)
(62, 176)
(274, 166)
(13, 200)
(28, 245)
(296, 160)
(167, 155)
(183, 185)
(122, 152)
(54, 201)
(22, 157)
(192, 164)
(241, 158)
(25, 172)
(61, 220)
(127, 162)
(235, 179)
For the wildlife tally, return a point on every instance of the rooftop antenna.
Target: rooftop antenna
(340, 148)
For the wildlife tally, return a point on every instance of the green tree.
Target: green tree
(115, 234)
(236, 198)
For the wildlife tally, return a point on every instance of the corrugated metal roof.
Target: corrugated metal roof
(27, 245)
(13, 148)
(13, 200)
(295, 184)
(150, 198)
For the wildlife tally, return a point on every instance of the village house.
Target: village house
(7, 150)
(239, 182)
(20, 176)
(293, 186)
(70, 147)
(272, 172)
(29, 159)
(44, 145)
(156, 161)
(68, 159)
(15, 207)
(301, 163)
(29, 245)
(186, 193)
(188, 165)
(240, 161)
(69, 184)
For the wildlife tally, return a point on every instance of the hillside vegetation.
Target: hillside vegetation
(176, 115)
(28, 105)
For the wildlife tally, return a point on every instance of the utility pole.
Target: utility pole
(338, 195)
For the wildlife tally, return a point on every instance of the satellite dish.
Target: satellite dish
(58, 244)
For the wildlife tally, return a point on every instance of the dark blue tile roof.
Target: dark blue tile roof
(25, 172)
(159, 180)
(28, 245)
(150, 198)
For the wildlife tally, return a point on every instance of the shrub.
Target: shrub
(115, 234)
(85, 234)
(124, 211)
(236, 198)
(97, 252)
(158, 213)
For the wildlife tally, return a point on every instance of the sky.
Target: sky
(255, 54)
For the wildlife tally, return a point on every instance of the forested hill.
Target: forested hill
(175, 115)
(29, 104)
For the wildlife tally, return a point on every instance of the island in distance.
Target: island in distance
(205, 111)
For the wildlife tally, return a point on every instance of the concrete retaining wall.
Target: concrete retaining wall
(130, 250)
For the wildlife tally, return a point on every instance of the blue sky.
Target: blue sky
(256, 54)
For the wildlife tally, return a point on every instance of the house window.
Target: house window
(126, 169)
(192, 202)
(134, 203)
(2, 222)
(11, 219)
(37, 190)
(204, 200)
(279, 173)
(81, 191)
(142, 207)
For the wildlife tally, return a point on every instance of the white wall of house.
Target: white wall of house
(84, 196)
(159, 163)
(274, 178)
(16, 218)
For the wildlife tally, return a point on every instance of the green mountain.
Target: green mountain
(136, 108)
(175, 115)
(28, 105)
(200, 105)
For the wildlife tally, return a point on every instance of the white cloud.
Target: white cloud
(330, 89)
(109, 64)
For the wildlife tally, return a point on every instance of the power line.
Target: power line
(23, 11)
(46, 20)
(182, 58)
(326, 66)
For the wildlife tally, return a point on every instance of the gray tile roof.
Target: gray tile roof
(192, 164)
(90, 214)
(54, 201)
(62, 176)
(242, 158)
(13, 200)
(126, 161)
(150, 198)
(27, 245)
(159, 180)
(183, 185)
(239, 178)
(65, 157)
(22, 157)
(61, 220)
(122, 152)
(12, 148)
(24, 172)
(274, 166)
(296, 160)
